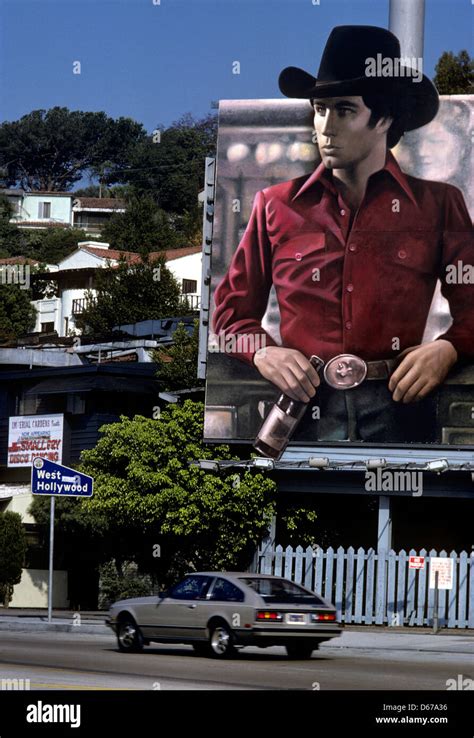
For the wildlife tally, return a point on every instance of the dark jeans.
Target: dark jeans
(367, 413)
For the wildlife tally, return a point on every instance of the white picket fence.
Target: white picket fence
(376, 588)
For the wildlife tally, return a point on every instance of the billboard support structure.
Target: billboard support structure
(207, 229)
(406, 21)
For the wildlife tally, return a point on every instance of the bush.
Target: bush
(12, 553)
(120, 582)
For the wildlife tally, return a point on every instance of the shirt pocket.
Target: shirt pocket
(301, 247)
(299, 262)
(416, 253)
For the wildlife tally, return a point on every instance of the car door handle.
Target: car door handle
(191, 607)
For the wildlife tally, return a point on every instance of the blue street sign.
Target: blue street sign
(48, 478)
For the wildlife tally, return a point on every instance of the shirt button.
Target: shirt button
(352, 247)
(402, 254)
(343, 212)
(348, 325)
(350, 287)
(298, 256)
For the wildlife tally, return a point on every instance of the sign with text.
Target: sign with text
(48, 478)
(444, 567)
(34, 435)
(416, 562)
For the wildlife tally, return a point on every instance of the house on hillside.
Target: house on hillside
(75, 275)
(92, 213)
(41, 209)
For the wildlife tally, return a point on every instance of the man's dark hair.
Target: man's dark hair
(384, 106)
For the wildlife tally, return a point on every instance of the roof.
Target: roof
(101, 203)
(133, 257)
(113, 254)
(50, 193)
(19, 260)
(172, 254)
(43, 223)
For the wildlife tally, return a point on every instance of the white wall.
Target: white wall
(83, 259)
(49, 311)
(187, 267)
(61, 207)
(32, 591)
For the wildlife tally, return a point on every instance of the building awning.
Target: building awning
(68, 385)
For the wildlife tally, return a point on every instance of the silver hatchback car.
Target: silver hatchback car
(218, 612)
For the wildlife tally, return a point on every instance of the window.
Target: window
(225, 591)
(47, 327)
(191, 588)
(44, 210)
(189, 286)
(281, 590)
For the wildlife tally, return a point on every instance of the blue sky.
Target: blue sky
(155, 62)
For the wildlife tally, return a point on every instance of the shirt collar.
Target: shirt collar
(323, 175)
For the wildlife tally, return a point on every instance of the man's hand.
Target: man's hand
(422, 369)
(289, 370)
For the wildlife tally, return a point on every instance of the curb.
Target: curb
(99, 629)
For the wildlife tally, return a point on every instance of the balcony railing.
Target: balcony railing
(194, 301)
(80, 304)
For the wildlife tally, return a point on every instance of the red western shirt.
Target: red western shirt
(345, 288)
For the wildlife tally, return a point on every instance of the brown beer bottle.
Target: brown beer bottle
(281, 422)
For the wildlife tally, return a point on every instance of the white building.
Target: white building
(75, 274)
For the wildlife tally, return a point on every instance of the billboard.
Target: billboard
(35, 435)
(377, 290)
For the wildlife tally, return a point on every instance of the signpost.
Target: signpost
(49, 478)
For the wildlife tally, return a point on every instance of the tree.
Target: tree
(144, 227)
(146, 290)
(150, 506)
(12, 553)
(17, 314)
(454, 74)
(53, 149)
(178, 363)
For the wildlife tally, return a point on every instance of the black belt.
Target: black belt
(346, 371)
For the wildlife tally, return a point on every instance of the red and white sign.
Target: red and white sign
(35, 435)
(416, 562)
(444, 567)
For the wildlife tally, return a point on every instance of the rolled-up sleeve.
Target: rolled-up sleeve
(456, 274)
(241, 297)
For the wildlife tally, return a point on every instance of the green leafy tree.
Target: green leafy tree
(51, 245)
(129, 293)
(454, 73)
(12, 553)
(178, 363)
(52, 149)
(144, 227)
(151, 507)
(17, 314)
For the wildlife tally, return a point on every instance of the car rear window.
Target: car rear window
(282, 591)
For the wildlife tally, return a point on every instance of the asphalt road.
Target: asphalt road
(368, 661)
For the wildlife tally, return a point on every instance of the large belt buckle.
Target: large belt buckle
(345, 371)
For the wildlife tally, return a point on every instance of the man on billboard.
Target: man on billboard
(354, 251)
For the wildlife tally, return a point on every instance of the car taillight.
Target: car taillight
(269, 615)
(323, 616)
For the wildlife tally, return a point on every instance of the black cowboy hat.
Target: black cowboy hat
(344, 71)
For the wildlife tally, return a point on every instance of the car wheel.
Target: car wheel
(300, 650)
(221, 641)
(129, 636)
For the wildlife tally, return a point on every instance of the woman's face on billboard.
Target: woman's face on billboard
(439, 152)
